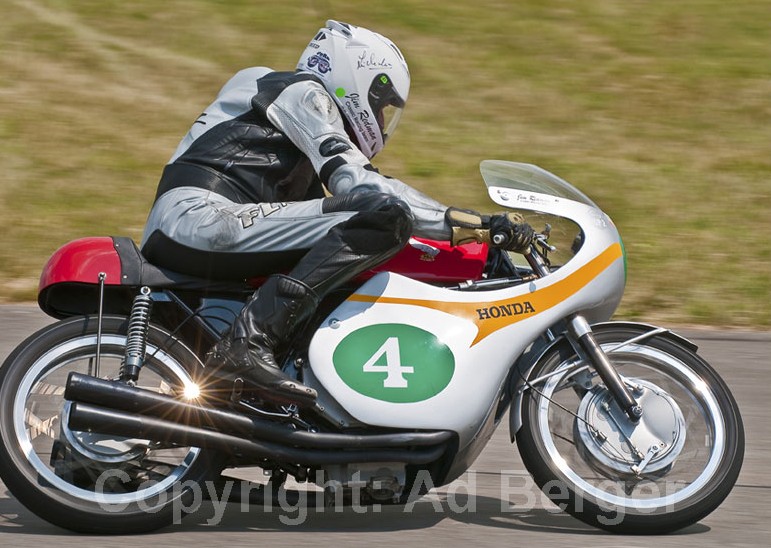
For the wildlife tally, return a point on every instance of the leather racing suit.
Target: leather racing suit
(242, 196)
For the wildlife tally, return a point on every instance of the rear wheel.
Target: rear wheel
(91, 482)
(669, 470)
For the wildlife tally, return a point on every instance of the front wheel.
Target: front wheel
(82, 481)
(669, 470)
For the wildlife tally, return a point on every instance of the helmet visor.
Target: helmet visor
(388, 119)
(386, 104)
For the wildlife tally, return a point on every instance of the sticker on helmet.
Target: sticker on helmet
(394, 362)
(320, 61)
(357, 114)
(369, 61)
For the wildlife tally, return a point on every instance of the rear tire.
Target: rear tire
(83, 482)
(592, 478)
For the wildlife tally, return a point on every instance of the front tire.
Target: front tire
(85, 482)
(592, 462)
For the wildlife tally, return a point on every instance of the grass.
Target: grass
(657, 110)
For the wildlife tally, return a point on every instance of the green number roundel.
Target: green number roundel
(394, 362)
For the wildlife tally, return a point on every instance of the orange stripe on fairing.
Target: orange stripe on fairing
(529, 305)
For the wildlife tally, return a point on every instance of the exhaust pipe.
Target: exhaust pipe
(91, 418)
(119, 397)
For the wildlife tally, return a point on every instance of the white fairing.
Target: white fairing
(404, 354)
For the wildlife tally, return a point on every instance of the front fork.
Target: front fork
(580, 331)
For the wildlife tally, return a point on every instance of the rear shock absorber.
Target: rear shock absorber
(136, 336)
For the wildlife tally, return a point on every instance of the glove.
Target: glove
(506, 230)
(511, 232)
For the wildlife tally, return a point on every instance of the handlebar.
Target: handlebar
(543, 241)
(535, 259)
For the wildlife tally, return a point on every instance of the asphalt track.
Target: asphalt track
(503, 509)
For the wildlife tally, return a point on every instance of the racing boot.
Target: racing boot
(283, 303)
(267, 321)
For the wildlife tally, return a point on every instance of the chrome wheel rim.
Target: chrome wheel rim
(42, 389)
(661, 487)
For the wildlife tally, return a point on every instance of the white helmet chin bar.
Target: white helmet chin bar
(366, 74)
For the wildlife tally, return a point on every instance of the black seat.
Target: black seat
(165, 253)
(137, 270)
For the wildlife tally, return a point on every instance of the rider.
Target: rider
(242, 195)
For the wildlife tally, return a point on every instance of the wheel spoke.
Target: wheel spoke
(85, 457)
(683, 447)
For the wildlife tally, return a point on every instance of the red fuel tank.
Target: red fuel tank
(437, 261)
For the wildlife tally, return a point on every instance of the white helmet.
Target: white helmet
(366, 74)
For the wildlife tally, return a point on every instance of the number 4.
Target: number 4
(393, 367)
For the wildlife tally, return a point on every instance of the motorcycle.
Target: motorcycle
(109, 417)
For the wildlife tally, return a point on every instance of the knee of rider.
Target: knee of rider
(388, 227)
(379, 201)
(394, 213)
(403, 220)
